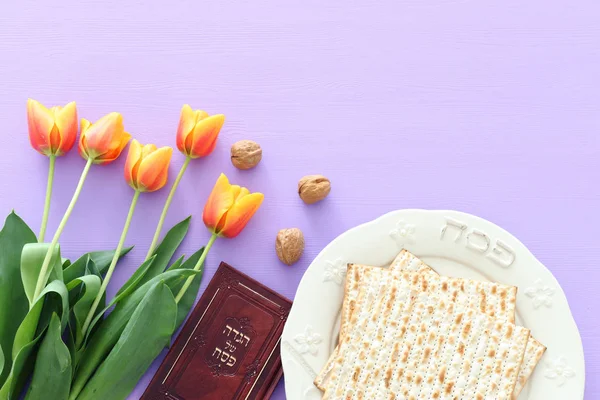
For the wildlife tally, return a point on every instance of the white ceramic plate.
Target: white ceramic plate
(454, 244)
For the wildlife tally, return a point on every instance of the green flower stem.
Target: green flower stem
(48, 197)
(41, 282)
(189, 280)
(161, 221)
(112, 266)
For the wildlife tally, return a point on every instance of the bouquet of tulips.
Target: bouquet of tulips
(55, 328)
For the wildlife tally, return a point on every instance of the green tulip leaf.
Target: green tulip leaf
(65, 263)
(14, 304)
(129, 287)
(134, 281)
(76, 269)
(176, 264)
(187, 301)
(81, 265)
(69, 337)
(101, 260)
(102, 340)
(22, 363)
(82, 292)
(1, 360)
(89, 287)
(167, 248)
(147, 332)
(52, 372)
(32, 259)
(54, 297)
(93, 270)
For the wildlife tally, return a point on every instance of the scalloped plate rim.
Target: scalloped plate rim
(291, 376)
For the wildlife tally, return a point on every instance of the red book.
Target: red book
(229, 347)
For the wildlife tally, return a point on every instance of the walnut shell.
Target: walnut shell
(245, 154)
(313, 188)
(289, 245)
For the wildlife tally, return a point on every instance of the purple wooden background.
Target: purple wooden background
(492, 108)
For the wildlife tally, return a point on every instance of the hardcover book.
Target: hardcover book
(229, 347)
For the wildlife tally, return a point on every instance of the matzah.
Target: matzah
(533, 354)
(406, 261)
(406, 344)
(490, 298)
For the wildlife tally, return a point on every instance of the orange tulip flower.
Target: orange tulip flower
(147, 167)
(51, 131)
(229, 208)
(103, 141)
(226, 213)
(197, 132)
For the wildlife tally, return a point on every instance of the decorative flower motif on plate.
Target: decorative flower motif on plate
(540, 294)
(308, 341)
(335, 271)
(403, 233)
(559, 371)
(299, 360)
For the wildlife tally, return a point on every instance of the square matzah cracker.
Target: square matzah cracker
(533, 354)
(406, 344)
(406, 261)
(491, 298)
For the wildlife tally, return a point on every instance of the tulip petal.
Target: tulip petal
(55, 140)
(152, 172)
(82, 146)
(114, 152)
(132, 163)
(189, 143)
(103, 141)
(85, 124)
(103, 134)
(199, 115)
(189, 140)
(205, 134)
(148, 149)
(186, 124)
(40, 122)
(66, 122)
(219, 201)
(160, 181)
(235, 191)
(243, 192)
(240, 213)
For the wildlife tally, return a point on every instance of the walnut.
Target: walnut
(245, 154)
(289, 245)
(313, 188)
